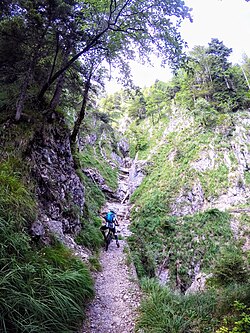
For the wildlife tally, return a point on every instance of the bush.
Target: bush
(204, 113)
(230, 267)
(241, 323)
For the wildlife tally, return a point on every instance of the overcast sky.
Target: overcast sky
(227, 20)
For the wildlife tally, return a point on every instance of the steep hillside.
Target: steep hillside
(190, 214)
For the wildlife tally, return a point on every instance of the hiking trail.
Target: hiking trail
(114, 308)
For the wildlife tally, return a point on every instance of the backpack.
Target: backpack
(110, 217)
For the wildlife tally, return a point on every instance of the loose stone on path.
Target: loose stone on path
(114, 308)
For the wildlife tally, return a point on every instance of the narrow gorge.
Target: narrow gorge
(171, 158)
(115, 307)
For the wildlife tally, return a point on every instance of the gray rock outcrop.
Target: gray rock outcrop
(59, 191)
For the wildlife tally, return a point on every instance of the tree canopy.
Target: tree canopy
(43, 41)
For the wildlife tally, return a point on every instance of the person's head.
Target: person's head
(112, 211)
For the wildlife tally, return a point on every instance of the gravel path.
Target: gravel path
(114, 308)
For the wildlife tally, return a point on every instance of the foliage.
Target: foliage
(185, 242)
(230, 267)
(240, 325)
(41, 43)
(208, 75)
(204, 113)
(42, 289)
(163, 310)
(14, 196)
(157, 101)
(213, 181)
(89, 159)
(90, 235)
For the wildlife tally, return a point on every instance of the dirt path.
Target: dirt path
(114, 308)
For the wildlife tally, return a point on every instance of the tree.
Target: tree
(200, 65)
(57, 33)
(117, 28)
(156, 100)
(42, 41)
(93, 74)
(245, 67)
(209, 75)
(136, 105)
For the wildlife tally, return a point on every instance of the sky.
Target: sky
(227, 20)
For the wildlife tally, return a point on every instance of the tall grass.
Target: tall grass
(190, 241)
(90, 235)
(14, 196)
(165, 311)
(41, 289)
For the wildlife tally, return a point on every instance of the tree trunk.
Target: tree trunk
(81, 114)
(57, 94)
(52, 79)
(55, 57)
(22, 97)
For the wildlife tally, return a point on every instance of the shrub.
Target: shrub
(204, 113)
(241, 323)
(230, 266)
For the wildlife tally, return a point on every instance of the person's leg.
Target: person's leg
(116, 237)
(103, 228)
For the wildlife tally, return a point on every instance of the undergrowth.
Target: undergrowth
(89, 159)
(186, 169)
(90, 235)
(41, 289)
(187, 242)
(163, 310)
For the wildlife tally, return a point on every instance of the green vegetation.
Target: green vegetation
(181, 245)
(97, 157)
(181, 128)
(241, 323)
(166, 311)
(14, 196)
(89, 159)
(43, 289)
(230, 267)
(185, 131)
(54, 54)
(189, 242)
(215, 181)
(90, 235)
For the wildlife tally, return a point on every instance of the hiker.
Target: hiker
(110, 223)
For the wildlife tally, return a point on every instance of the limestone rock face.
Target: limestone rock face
(123, 147)
(59, 191)
(233, 154)
(198, 284)
(190, 201)
(136, 175)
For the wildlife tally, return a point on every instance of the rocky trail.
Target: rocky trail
(114, 308)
